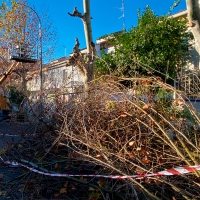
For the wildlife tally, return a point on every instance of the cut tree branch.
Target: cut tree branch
(84, 63)
(76, 13)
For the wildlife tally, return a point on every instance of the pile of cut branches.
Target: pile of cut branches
(136, 131)
(113, 130)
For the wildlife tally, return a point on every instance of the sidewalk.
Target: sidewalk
(12, 132)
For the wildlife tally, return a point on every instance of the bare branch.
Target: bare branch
(76, 47)
(76, 13)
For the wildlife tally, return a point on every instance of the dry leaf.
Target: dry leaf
(142, 151)
(100, 183)
(139, 170)
(94, 196)
(83, 179)
(3, 150)
(21, 190)
(20, 146)
(161, 160)
(145, 107)
(63, 190)
(98, 156)
(91, 189)
(148, 82)
(172, 117)
(131, 155)
(75, 154)
(73, 187)
(147, 180)
(1, 176)
(30, 185)
(67, 166)
(104, 138)
(56, 196)
(145, 160)
(56, 166)
(66, 184)
(56, 151)
(157, 181)
(131, 143)
(138, 149)
(123, 114)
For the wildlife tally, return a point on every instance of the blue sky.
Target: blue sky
(105, 15)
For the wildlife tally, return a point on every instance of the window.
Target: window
(64, 75)
(103, 46)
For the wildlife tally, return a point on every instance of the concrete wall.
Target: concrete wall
(56, 76)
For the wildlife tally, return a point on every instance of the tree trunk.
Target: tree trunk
(88, 37)
(86, 68)
(193, 8)
(87, 24)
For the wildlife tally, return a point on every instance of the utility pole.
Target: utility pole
(193, 8)
(87, 24)
(86, 69)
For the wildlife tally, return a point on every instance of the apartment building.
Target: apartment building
(194, 63)
(58, 75)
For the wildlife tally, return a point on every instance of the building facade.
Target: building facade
(59, 76)
(194, 62)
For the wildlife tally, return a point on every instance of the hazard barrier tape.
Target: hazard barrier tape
(168, 172)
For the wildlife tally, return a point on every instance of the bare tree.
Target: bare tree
(193, 8)
(85, 65)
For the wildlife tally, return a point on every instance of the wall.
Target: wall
(56, 76)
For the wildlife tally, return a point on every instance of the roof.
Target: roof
(104, 38)
(180, 14)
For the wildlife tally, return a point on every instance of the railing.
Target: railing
(189, 82)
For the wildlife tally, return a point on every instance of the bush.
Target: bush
(15, 96)
(158, 45)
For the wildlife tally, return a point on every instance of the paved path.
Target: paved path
(12, 132)
(9, 133)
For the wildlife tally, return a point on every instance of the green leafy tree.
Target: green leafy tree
(15, 96)
(157, 46)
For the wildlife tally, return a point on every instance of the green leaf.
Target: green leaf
(94, 196)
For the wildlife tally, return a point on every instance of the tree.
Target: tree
(21, 36)
(158, 45)
(85, 64)
(193, 8)
(15, 95)
(19, 27)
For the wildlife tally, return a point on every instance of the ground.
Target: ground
(11, 133)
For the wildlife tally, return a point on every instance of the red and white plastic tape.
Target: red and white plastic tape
(168, 172)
